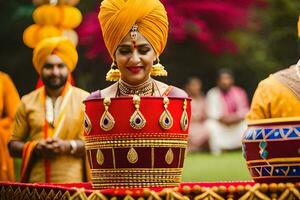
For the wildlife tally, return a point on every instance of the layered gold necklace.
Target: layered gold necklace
(143, 89)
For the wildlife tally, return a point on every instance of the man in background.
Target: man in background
(227, 106)
(48, 130)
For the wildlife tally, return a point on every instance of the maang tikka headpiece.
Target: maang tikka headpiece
(133, 32)
(114, 73)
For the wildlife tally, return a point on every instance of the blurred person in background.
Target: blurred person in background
(48, 128)
(199, 135)
(227, 106)
(9, 100)
(278, 95)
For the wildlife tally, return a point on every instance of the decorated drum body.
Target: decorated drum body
(136, 141)
(272, 150)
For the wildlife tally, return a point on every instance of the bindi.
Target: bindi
(134, 44)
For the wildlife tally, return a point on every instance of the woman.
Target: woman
(135, 34)
(145, 136)
(199, 134)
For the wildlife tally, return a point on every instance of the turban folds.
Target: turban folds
(117, 17)
(60, 46)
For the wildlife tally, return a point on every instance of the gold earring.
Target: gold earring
(158, 69)
(114, 73)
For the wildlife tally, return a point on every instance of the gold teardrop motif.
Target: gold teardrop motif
(166, 120)
(184, 121)
(107, 121)
(137, 120)
(132, 156)
(169, 156)
(87, 124)
(100, 157)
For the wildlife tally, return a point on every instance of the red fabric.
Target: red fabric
(47, 162)
(122, 108)
(26, 161)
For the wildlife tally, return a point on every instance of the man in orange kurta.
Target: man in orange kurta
(48, 124)
(9, 100)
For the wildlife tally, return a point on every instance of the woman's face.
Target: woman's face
(135, 59)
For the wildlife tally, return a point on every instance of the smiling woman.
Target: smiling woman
(135, 44)
(135, 59)
(136, 129)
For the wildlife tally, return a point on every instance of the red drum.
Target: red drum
(271, 148)
(136, 141)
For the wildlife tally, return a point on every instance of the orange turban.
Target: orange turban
(60, 46)
(118, 16)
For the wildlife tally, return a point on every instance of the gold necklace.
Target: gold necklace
(143, 89)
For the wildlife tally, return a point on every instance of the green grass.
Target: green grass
(201, 167)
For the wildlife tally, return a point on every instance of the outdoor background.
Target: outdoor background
(252, 37)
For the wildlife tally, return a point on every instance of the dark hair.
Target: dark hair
(193, 78)
(225, 71)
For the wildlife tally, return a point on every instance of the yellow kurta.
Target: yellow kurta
(273, 99)
(29, 126)
(9, 100)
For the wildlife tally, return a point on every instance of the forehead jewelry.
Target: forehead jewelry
(133, 33)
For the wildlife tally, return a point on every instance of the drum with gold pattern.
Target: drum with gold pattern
(136, 141)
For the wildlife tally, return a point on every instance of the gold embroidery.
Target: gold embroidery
(179, 160)
(114, 157)
(87, 124)
(91, 160)
(107, 121)
(100, 157)
(135, 143)
(132, 156)
(139, 135)
(184, 121)
(169, 156)
(137, 120)
(166, 119)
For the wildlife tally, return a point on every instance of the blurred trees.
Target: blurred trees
(253, 47)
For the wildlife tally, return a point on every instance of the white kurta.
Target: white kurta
(223, 137)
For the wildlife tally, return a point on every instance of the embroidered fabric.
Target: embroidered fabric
(289, 78)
